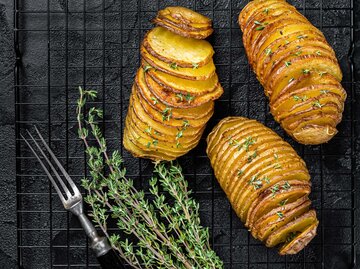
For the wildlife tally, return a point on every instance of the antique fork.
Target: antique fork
(73, 202)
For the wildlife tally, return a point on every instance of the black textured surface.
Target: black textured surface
(106, 59)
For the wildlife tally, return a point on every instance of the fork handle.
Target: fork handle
(100, 245)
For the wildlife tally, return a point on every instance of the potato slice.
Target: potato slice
(286, 232)
(201, 73)
(260, 20)
(281, 30)
(302, 81)
(300, 65)
(269, 199)
(327, 110)
(202, 34)
(194, 28)
(280, 216)
(292, 169)
(214, 136)
(185, 17)
(165, 129)
(282, 46)
(254, 6)
(159, 145)
(165, 117)
(184, 86)
(179, 100)
(305, 82)
(137, 152)
(252, 187)
(155, 134)
(172, 48)
(202, 111)
(300, 241)
(292, 56)
(313, 98)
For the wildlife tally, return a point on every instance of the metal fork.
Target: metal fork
(73, 202)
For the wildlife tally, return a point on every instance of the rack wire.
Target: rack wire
(61, 44)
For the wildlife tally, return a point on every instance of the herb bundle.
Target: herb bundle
(166, 230)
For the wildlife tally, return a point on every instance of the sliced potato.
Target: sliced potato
(151, 131)
(297, 225)
(184, 86)
(166, 129)
(165, 117)
(279, 217)
(300, 241)
(311, 79)
(184, 22)
(175, 49)
(281, 46)
(202, 111)
(287, 54)
(179, 100)
(201, 73)
(258, 184)
(162, 145)
(187, 17)
(202, 34)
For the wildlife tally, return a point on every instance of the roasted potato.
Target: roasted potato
(172, 48)
(184, 22)
(266, 182)
(297, 68)
(173, 96)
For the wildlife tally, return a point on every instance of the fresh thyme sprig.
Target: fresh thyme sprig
(166, 230)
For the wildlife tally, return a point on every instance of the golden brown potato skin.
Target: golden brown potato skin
(173, 96)
(266, 182)
(297, 68)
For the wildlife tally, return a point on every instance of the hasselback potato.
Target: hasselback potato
(173, 96)
(297, 68)
(266, 182)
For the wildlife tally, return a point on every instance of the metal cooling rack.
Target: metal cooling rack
(61, 44)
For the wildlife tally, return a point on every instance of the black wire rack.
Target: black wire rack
(62, 44)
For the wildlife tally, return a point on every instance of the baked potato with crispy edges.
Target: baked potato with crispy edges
(202, 111)
(179, 100)
(184, 22)
(291, 57)
(165, 117)
(265, 180)
(186, 17)
(180, 31)
(173, 95)
(154, 132)
(184, 86)
(146, 139)
(172, 48)
(201, 73)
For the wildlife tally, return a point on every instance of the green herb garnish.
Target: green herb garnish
(287, 64)
(300, 98)
(317, 104)
(261, 26)
(324, 91)
(147, 67)
(174, 66)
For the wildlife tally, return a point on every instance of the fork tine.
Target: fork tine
(62, 169)
(46, 170)
(68, 194)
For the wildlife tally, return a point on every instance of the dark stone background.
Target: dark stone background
(7, 135)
